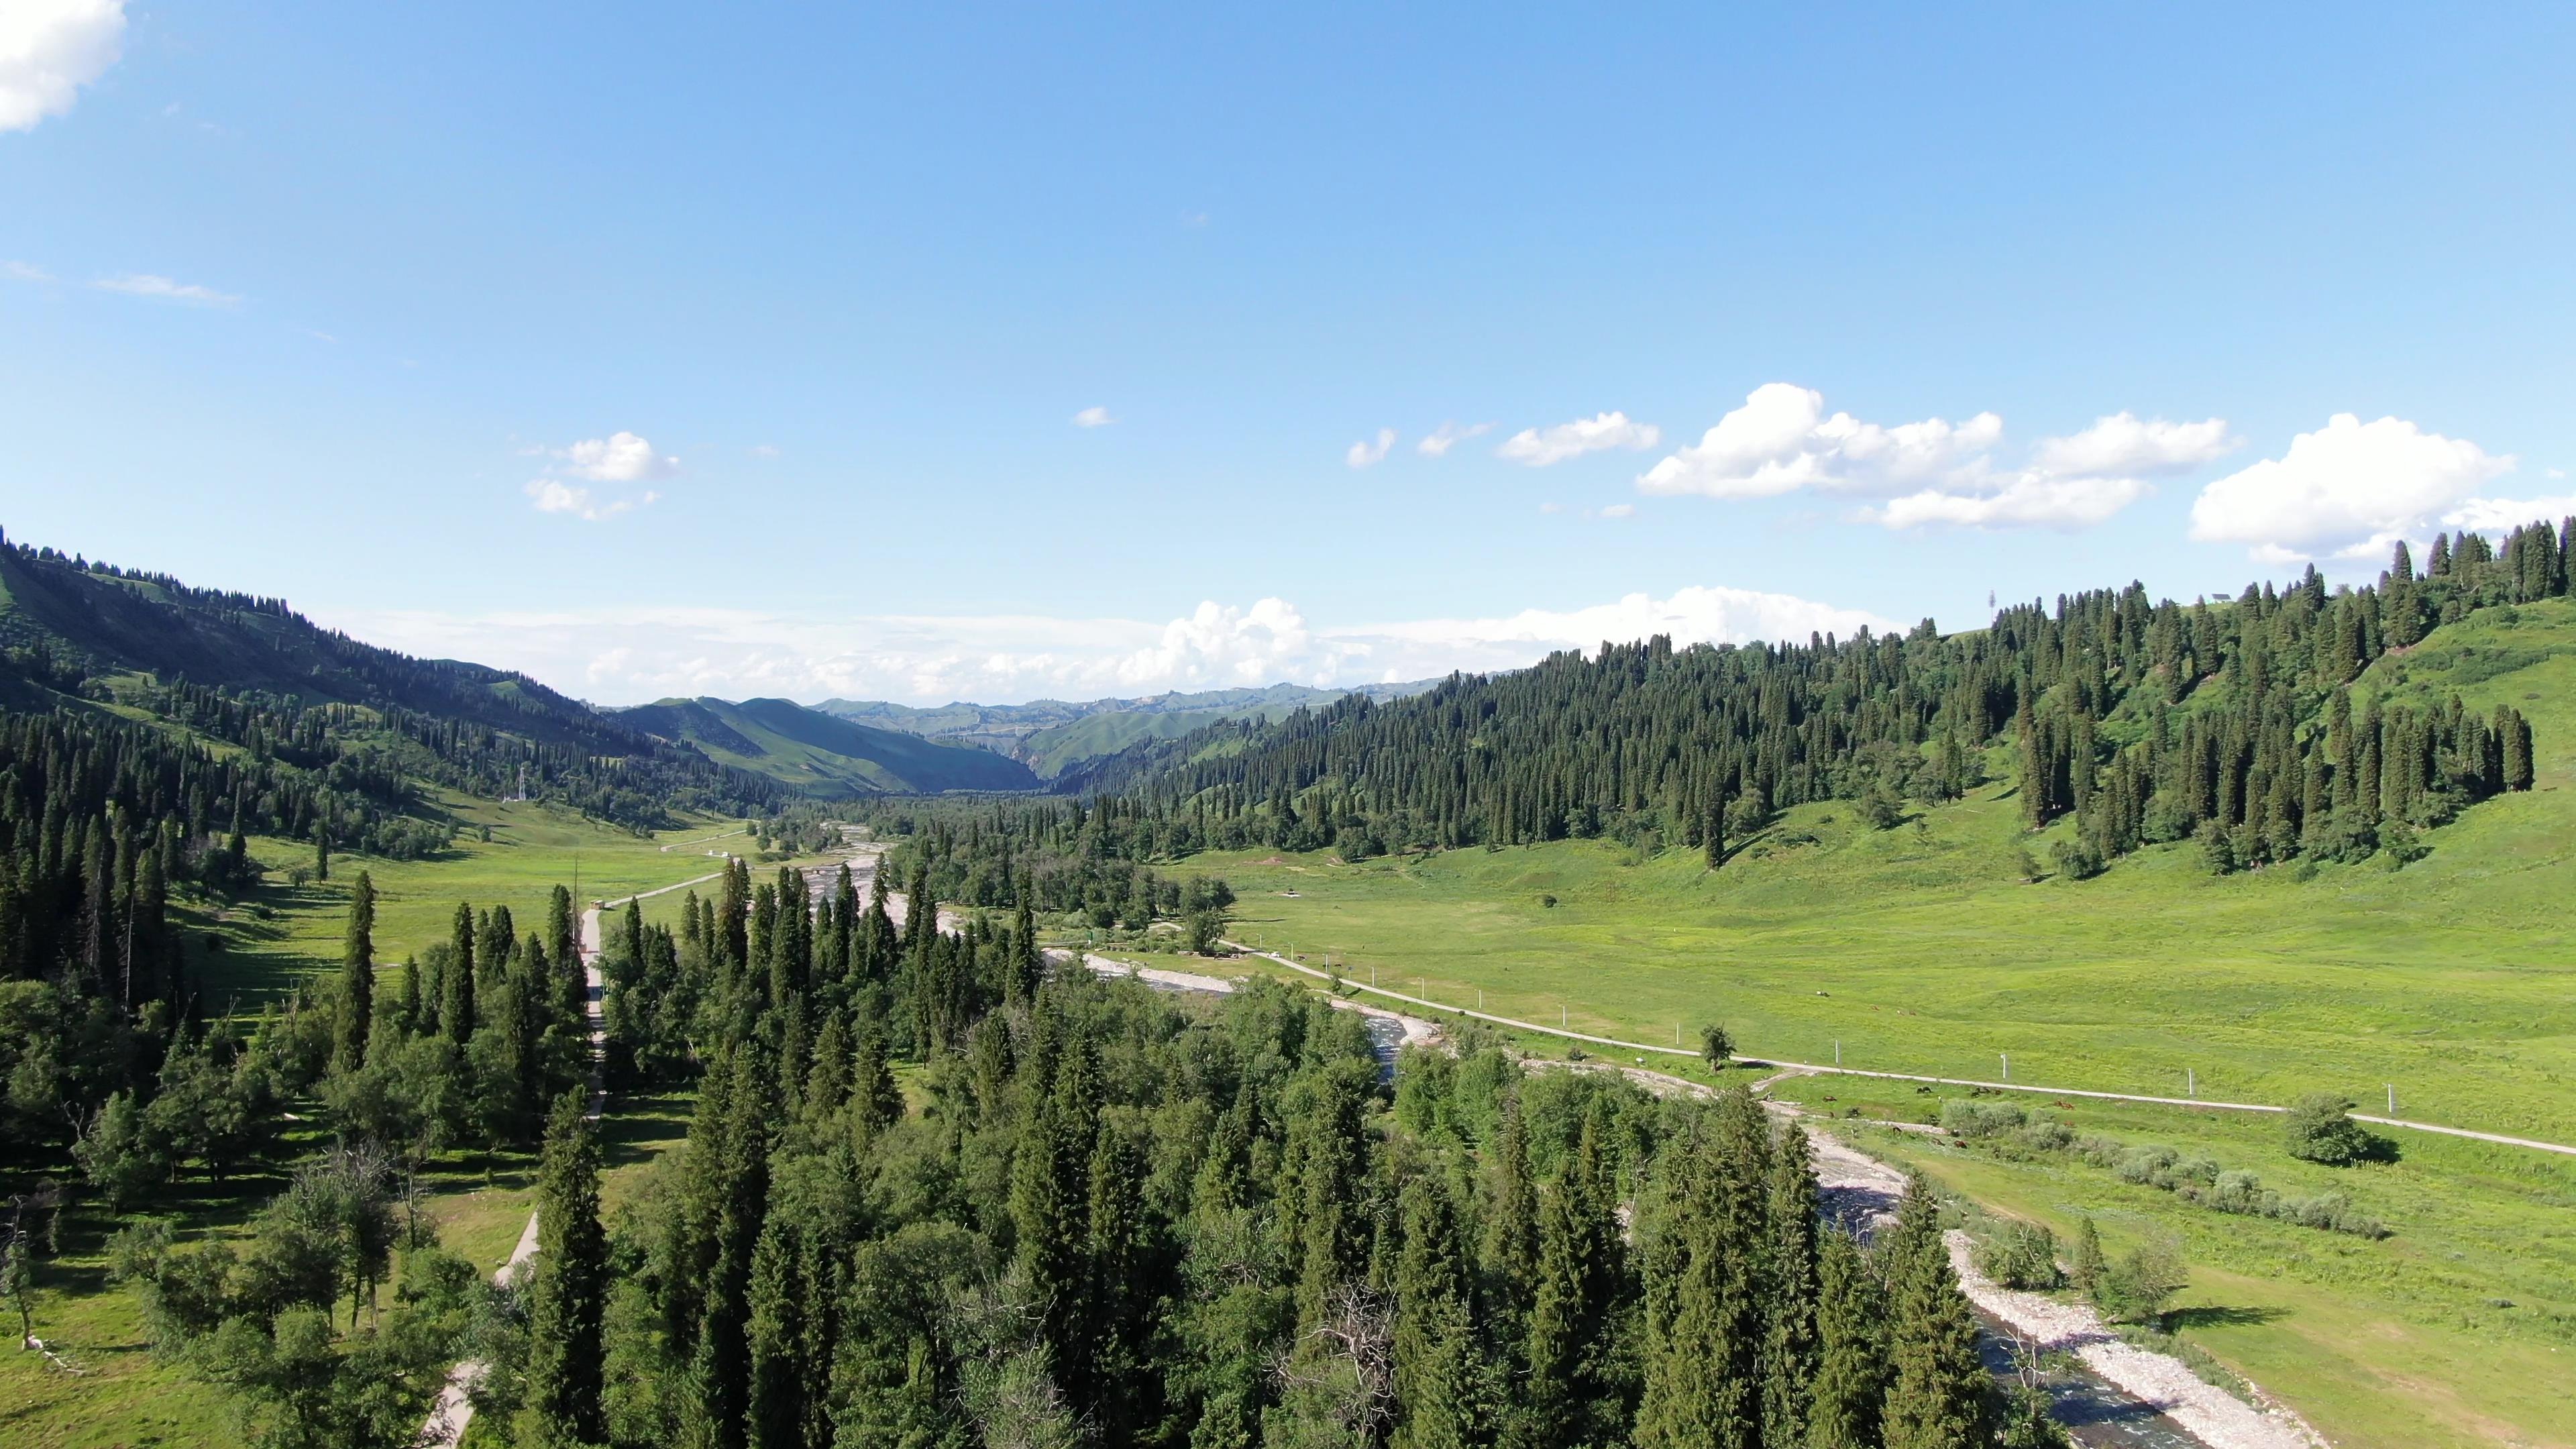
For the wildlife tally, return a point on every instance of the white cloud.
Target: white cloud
(1366, 453)
(2347, 490)
(24, 272)
(144, 284)
(1093, 418)
(49, 49)
(553, 495)
(1539, 447)
(618, 458)
(1551, 508)
(2030, 499)
(1781, 441)
(1438, 442)
(764, 450)
(1933, 471)
(2503, 515)
(2122, 446)
(630, 655)
(1620, 510)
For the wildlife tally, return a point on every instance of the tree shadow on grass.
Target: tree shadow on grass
(2223, 1316)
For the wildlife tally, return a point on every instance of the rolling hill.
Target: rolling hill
(822, 755)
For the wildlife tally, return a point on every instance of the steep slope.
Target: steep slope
(824, 756)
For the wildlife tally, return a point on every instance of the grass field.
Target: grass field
(283, 936)
(1921, 949)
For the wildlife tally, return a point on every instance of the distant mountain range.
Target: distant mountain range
(1052, 735)
(825, 755)
(72, 629)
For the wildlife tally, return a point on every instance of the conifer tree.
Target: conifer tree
(1446, 1393)
(1851, 1366)
(456, 1008)
(1568, 1395)
(568, 1298)
(1789, 1290)
(1936, 1389)
(357, 979)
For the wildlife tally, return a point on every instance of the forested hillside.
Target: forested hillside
(823, 755)
(237, 670)
(2235, 722)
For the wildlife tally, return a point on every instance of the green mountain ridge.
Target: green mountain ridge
(1052, 736)
(249, 671)
(822, 755)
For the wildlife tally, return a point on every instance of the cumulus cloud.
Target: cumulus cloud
(1369, 452)
(1620, 510)
(1538, 447)
(2031, 499)
(2503, 515)
(1438, 442)
(2348, 490)
(49, 49)
(618, 458)
(1933, 471)
(553, 495)
(631, 655)
(2123, 446)
(144, 284)
(1781, 441)
(1093, 417)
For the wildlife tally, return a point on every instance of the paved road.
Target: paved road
(1635, 1046)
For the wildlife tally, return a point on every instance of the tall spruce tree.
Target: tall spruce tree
(1447, 1395)
(1851, 1352)
(357, 979)
(1937, 1386)
(568, 1299)
(456, 1006)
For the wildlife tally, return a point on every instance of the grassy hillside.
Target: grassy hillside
(822, 755)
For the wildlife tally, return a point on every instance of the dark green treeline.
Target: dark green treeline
(2149, 721)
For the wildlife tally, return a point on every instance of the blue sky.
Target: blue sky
(354, 303)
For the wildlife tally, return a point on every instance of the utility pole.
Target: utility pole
(2190, 1082)
(2007, 1056)
(1838, 1051)
(2392, 1098)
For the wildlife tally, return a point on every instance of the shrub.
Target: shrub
(2076, 859)
(2137, 1287)
(2020, 1255)
(1977, 1120)
(2320, 1129)
(2217, 848)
